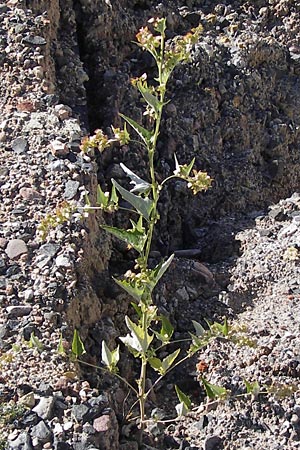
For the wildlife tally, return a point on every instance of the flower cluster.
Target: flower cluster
(142, 80)
(147, 40)
(201, 181)
(291, 254)
(100, 141)
(139, 279)
(62, 214)
(121, 136)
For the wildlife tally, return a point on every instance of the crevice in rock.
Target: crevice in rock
(81, 32)
(220, 112)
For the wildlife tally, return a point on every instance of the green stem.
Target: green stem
(171, 177)
(171, 342)
(152, 148)
(142, 389)
(142, 380)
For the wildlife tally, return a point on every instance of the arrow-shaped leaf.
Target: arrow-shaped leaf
(185, 403)
(110, 358)
(213, 391)
(161, 268)
(198, 342)
(166, 330)
(60, 348)
(198, 328)
(137, 309)
(145, 135)
(163, 366)
(220, 328)
(102, 198)
(183, 170)
(134, 291)
(168, 361)
(155, 363)
(160, 25)
(132, 344)
(139, 339)
(159, 271)
(252, 388)
(34, 342)
(151, 99)
(133, 237)
(141, 186)
(142, 205)
(113, 197)
(77, 345)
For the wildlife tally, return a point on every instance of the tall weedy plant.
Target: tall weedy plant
(142, 340)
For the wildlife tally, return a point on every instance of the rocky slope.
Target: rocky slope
(65, 68)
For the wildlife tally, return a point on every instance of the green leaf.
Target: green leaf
(141, 186)
(190, 166)
(220, 328)
(163, 366)
(166, 330)
(162, 267)
(110, 358)
(252, 388)
(159, 271)
(135, 291)
(113, 197)
(200, 331)
(138, 340)
(145, 135)
(60, 347)
(133, 237)
(102, 199)
(137, 309)
(184, 170)
(34, 342)
(185, 403)
(139, 225)
(116, 355)
(155, 363)
(77, 345)
(106, 355)
(198, 342)
(16, 348)
(225, 327)
(168, 361)
(151, 99)
(213, 391)
(142, 205)
(132, 345)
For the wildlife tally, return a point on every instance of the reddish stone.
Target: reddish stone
(203, 272)
(26, 105)
(59, 148)
(3, 242)
(29, 194)
(102, 424)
